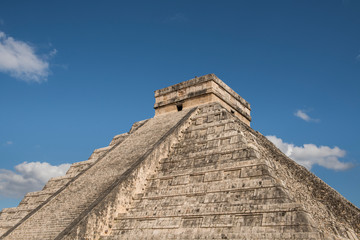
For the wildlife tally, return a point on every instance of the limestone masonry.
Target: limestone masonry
(194, 171)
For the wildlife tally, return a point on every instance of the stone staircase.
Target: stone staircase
(195, 174)
(65, 209)
(194, 171)
(9, 217)
(214, 183)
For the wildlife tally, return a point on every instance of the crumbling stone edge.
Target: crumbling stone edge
(78, 228)
(66, 185)
(321, 191)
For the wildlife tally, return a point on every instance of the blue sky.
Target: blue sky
(75, 73)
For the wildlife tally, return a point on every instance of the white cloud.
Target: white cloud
(18, 59)
(28, 177)
(50, 55)
(8, 143)
(304, 116)
(179, 17)
(310, 154)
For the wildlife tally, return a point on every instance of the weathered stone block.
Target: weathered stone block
(187, 174)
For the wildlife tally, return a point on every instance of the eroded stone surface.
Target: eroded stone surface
(201, 90)
(200, 173)
(9, 217)
(79, 197)
(221, 182)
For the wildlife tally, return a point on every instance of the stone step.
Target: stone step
(237, 169)
(204, 186)
(118, 139)
(82, 193)
(99, 152)
(218, 233)
(234, 149)
(232, 197)
(225, 165)
(78, 167)
(207, 208)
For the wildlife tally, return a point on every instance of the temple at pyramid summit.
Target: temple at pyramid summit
(196, 170)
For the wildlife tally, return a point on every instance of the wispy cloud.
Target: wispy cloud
(19, 59)
(304, 116)
(310, 154)
(1, 22)
(179, 17)
(62, 66)
(8, 143)
(28, 176)
(51, 54)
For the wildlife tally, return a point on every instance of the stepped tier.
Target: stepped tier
(9, 217)
(194, 171)
(220, 182)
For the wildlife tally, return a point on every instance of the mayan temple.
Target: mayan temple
(196, 170)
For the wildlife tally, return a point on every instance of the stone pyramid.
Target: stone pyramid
(194, 171)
